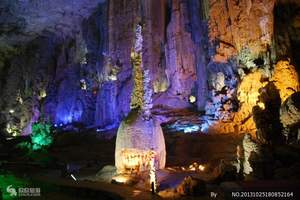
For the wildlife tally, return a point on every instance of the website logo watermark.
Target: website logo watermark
(23, 191)
(12, 191)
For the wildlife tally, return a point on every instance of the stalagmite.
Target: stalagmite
(140, 134)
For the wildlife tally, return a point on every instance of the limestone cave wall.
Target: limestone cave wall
(69, 62)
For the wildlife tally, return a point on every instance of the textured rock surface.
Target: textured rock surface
(242, 37)
(287, 30)
(26, 20)
(290, 116)
(180, 58)
(242, 24)
(239, 50)
(52, 64)
(198, 17)
(106, 105)
(87, 57)
(139, 136)
(288, 85)
(290, 110)
(248, 96)
(76, 66)
(154, 34)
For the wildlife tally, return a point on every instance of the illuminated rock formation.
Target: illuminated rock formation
(154, 34)
(73, 62)
(140, 136)
(286, 79)
(136, 138)
(243, 24)
(180, 58)
(240, 121)
(136, 57)
(248, 96)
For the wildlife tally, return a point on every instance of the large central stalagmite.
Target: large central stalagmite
(137, 141)
(140, 136)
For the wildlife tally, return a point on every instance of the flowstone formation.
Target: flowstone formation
(140, 137)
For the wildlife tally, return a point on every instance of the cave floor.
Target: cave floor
(84, 154)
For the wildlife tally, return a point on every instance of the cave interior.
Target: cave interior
(149, 99)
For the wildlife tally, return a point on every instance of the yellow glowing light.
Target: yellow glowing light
(43, 93)
(120, 179)
(192, 99)
(12, 130)
(136, 159)
(196, 167)
(192, 168)
(201, 167)
(11, 111)
(133, 54)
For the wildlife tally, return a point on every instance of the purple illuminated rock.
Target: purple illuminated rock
(106, 109)
(180, 57)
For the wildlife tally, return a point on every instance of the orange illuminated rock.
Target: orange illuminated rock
(285, 79)
(248, 93)
(236, 24)
(248, 96)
